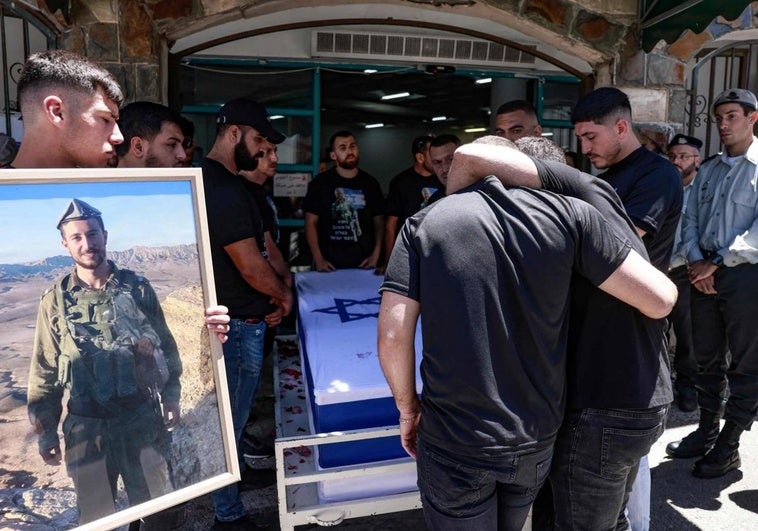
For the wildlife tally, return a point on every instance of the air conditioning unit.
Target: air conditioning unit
(416, 48)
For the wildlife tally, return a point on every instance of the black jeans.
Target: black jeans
(597, 455)
(492, 494)
(726, 344)
(684, 355)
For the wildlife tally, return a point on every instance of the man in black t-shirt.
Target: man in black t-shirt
(648, 184)
(256, 180)
(494, 339)
(245, 281)
(344, 211)
(618, 375)
(650, 189)
(410, 191)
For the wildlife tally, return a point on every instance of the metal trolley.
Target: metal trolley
(297, 474)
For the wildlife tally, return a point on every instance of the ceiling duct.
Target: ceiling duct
(424, 48)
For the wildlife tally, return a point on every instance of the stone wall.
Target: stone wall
(128, 37)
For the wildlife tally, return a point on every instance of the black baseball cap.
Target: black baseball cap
(243, 111)
(684, 140)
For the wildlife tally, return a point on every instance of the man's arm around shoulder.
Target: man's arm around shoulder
(639, 284)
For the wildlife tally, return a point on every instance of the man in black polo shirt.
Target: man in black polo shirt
(245, 281)
(618, 375)
(650, 189)
(494, 339)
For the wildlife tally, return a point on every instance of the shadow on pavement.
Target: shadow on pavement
(674, 486)
(746, 499)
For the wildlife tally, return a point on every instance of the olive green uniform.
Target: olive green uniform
(114, 427)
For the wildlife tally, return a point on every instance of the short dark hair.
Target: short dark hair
(441, 140)
(188, 128)
(517, 105)
(143, 119)
(601, 104)
(61, 68)
(338, 134)
(421, 143)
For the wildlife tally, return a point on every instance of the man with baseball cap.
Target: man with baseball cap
(245, 281)
(684, 154)
(720, 235)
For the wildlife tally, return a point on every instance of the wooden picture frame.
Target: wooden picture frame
(156, 226)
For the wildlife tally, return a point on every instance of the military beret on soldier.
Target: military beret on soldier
(735, 95)
(78, 209)
(684, 140)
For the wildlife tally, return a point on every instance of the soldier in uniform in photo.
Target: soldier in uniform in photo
(101, 335)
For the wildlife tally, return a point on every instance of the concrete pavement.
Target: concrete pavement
(681, 502)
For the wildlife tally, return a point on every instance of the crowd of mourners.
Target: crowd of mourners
(550, 300)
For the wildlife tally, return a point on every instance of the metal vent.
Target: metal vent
(369, 45)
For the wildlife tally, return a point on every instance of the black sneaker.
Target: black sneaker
(256, 478)
(254, 448)
(246, 523)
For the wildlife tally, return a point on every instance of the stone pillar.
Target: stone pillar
(120, 36)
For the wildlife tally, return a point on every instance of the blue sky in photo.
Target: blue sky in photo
(146, 213)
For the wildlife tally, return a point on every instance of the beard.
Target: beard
(243, 159)
(151, 161)
(348, 164)
(94, 260)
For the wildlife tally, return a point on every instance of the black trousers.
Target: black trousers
(681, 321)
(726, 344)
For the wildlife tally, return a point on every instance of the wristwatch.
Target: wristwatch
(717, 260)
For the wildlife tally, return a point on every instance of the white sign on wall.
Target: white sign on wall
(291, 184)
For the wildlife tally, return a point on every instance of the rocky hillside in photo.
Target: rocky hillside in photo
(138, 258)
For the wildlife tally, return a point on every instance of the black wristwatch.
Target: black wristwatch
(717, 260)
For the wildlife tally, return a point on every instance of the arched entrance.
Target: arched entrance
(330, 67)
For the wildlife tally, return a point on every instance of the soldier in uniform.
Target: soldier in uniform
(102, 336)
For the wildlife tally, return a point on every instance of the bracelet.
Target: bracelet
(407, 420)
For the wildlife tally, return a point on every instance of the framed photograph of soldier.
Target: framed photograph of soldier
(113, 398)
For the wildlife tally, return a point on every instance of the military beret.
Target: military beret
(684, 140)
(736, 95)
(78, 209)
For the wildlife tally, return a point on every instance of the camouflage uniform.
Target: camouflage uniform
(114, 426)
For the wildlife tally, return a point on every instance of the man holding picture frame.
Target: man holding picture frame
(70, 107)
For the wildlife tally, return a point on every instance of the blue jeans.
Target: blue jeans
(243, 359)
(597, 455)
(494, 493)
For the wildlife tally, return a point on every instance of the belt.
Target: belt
(253, 320)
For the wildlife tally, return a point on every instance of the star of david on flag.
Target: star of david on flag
(353, 309)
